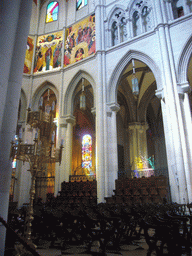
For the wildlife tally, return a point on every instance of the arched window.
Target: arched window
(189, 3)
(52, 12)
(80, 4)
(87, 152)
(142, 17)
(178, 8)
(181, 7)
(118, 27)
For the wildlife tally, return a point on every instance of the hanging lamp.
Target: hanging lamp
(134, 80)
(82, 97)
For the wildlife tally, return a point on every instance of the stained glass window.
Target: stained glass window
(81, 3)
(87, 152)
(14, 163)
(52, 11)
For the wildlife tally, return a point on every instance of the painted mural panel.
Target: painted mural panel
(48, 52)
(80, 41)
(29, 55)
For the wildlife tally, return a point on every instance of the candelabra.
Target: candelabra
(37, 154)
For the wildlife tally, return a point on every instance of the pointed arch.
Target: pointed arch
(115, 7)
(117, 25)
(70, 92)
(141, 15)
(116, 75)
(40, 90)
(184, 62)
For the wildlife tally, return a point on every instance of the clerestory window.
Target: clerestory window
(181, 8)
(80, 4)
(52, 12)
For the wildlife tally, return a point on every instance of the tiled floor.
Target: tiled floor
(138, 249)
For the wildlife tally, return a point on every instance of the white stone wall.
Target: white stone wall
(106, 66)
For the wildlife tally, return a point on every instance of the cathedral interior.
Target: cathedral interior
(95, 119)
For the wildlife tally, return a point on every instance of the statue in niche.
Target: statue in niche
(123, 30)
(114, 33)
(135, 23)
(146, 18)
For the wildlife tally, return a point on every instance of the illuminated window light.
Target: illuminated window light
(52, 12)
(81, 3)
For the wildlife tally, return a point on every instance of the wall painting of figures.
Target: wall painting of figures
(29, 55)
(80, 41)
(48, 52)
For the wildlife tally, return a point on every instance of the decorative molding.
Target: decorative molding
(160, 94)
(93, 111)
(113, 106)
(182, 89)
(70, 119)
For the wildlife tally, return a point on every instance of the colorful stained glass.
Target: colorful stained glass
(52, 11)
(81, 3)
(87, 152)
(14, 163)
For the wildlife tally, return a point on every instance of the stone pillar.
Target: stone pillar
(101, 130)
(138, 143)
(183, 90)
(60, 173)
(70, 120)
(112, 170)
(14, 32)
(176, 161)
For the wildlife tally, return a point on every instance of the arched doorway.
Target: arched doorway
(84, 126)
(140, 134)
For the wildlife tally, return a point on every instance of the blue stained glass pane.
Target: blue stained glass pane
(54, 16)
(52, 11)
(81, 3)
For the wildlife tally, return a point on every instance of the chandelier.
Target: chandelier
(83, 97)
(134, 80)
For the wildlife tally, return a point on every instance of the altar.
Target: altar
(145, 172)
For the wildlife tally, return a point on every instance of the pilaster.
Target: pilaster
(14, 32)
(112, 156)
(70, 120)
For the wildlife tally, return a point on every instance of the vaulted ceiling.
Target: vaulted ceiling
(135, 108)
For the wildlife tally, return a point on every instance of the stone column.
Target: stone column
(176, 161)
(183, 90)
(15, 21)
(112, 170)
(138, 143)
(60, 174)
(101, 165)
(70, 120)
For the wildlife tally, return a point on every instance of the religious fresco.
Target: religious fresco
(48, 52)
(80, 41)
(28, 55)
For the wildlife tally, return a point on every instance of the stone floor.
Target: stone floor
(139, 248)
